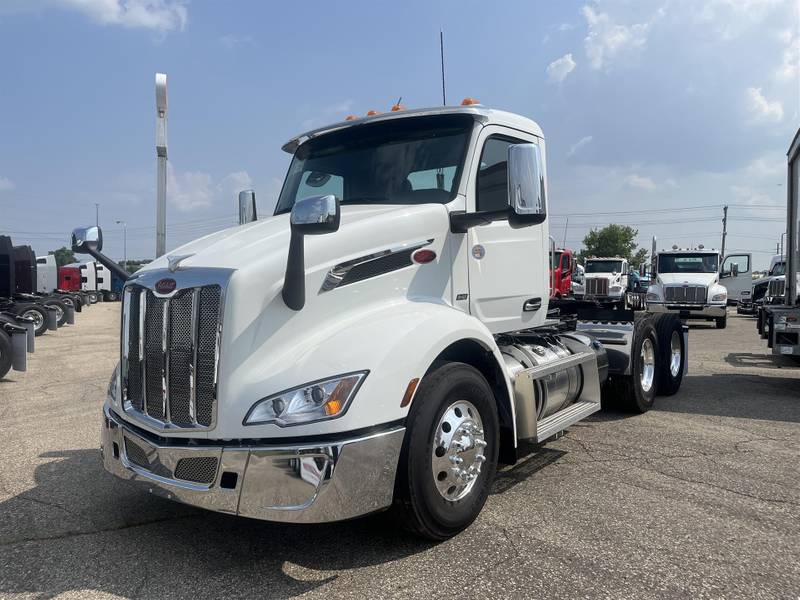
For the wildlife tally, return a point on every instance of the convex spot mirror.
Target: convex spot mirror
(526, 186)
(315, 215)
(86, 239)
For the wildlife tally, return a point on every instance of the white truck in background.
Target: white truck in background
(382, 341)
(687, 283)
(606, 280)
(46, 274)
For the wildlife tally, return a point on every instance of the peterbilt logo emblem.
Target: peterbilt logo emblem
(165, 286)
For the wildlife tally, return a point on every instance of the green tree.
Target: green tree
(613, 240)
(64, 256)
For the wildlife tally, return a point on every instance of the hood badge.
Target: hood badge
(165, 286)
(174, 261)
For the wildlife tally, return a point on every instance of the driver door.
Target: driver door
(739, 286)
(508, 267)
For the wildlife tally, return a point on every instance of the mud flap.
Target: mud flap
(30, 328)
(70, 315)
(52, 319)
(19, 350)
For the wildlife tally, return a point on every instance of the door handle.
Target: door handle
(532, 305)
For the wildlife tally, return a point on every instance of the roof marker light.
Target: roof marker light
(350, 118)
(372, 113)
(470, 101)
(398, 107)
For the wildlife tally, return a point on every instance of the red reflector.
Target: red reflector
(423, 257)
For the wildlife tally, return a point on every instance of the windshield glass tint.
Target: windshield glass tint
(604, 266)
(778, 269)
(688, 263)
(402, 161)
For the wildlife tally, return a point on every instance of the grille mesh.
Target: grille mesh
(686, 294)
(192, 328)
(136, 454)
(202, 469)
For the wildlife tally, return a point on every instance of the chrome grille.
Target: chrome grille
(170, 354)
(776, 288)
(686, 294)
(202, 469)
(596, 286)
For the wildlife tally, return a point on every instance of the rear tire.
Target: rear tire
(61, 310)
(92, 297)
(5, 354)
(37, 313)
(637, 392)
(432, 498)
(722, 322)
(672, 359)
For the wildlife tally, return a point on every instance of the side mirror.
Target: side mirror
(247, 207)
(87, 239)
(316, 215)
(311, 216)
(526, 186)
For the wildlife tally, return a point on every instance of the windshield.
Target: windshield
(401, 161)
(688, 263)
(604, 266)
(778, 269)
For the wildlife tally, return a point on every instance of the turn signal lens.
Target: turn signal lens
(423, 257)
(469, 101)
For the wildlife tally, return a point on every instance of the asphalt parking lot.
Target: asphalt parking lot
(697, 498)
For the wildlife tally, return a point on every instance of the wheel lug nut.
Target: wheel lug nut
(456, 460)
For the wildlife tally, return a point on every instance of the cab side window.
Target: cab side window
(743, 261)
(492, 181)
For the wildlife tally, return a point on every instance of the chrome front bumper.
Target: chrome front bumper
(302, 483)
(693, 311)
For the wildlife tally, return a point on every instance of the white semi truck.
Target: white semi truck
(382, 341)
(686, 282)
(779, 316)
(606, 280)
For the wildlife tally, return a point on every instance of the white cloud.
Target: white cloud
(566, 27)
(560, 68)
(789, 69)
(157, 15)
(747, 195)
(607, 40)
(6, 184)
(231, 41)
(730, 18)
(196, 190)
(579, 144)
(640, 182)
(761, 109)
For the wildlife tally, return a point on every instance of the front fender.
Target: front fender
(395, 342)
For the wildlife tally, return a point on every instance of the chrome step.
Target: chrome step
(550, 426)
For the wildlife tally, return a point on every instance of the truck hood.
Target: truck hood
(265, 239)
(707, 279)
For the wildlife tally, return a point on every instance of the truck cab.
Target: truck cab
(606, 280)
(382, 341)
(687, 283)
(562, 267)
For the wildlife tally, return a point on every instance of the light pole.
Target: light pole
(783, 235)
(124, 244)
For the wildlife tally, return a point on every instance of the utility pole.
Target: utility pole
(97, 214)
(564, 245)
(124, 244)
(724, 228)
(161, 158)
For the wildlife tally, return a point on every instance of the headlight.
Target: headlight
(651, 297)
(719, 297)
(112, 393)
(317, 401)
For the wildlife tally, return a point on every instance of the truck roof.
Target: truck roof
(689, 251)
(484, 114)
(605, 258)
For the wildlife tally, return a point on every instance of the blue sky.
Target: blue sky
(648, 107)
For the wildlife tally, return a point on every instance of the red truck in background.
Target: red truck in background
(561, 276)
(69, 278)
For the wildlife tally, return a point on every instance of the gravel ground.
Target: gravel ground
(697, 498)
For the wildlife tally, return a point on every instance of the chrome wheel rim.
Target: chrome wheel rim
(38, 320)
(647, 364)
(59, 311)
(457, 454)
(675, 354)
(68, 302)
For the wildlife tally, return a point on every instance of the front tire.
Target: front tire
(722, 322)
(449, 456)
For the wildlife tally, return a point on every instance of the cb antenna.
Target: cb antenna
(441, 53)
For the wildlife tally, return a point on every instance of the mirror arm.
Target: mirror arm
(109, 264)
(294, 282)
